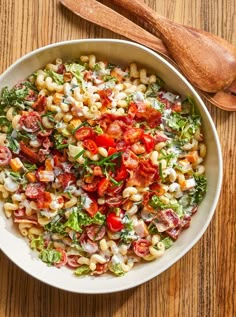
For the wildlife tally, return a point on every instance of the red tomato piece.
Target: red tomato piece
(133, 135)
(114, 222)
(5, 155)
(121, 173)
(141, 247)
(30, 122)
(103, 186)
(66, 179)
(100, 268)
(91, 146)
(83, 133)
(121, 145)
(111, 150)
(148, 141)
(104, 140)
(63, 259)
(130, 160)
(92, 208)
(28, 153)
(34, 190)
(72, 261)
(95, 232)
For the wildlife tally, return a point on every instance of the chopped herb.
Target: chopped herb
(79, 154)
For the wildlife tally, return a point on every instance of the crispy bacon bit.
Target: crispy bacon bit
(168, 220)
(28, 153)
(61, 69)
(40, 104)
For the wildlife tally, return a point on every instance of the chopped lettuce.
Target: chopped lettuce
(82, 270)
(198, 192)
(168, 242)
(116, 269)
(37, 243)
(76, 70)
(50, 256)
(79, 219)
(57, 78)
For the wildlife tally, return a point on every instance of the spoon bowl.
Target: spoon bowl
(208, 61)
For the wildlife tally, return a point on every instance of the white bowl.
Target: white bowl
(121, 52)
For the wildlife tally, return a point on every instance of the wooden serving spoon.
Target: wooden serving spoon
(99, 14)
(207, 60)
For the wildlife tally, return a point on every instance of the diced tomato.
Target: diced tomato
(111, 150)
(121, 173)
(40, 104)
(103, 186)
(100, 268)
(5, 155)
(84, 133)
(148, 141)
(28, 153)
(63, 259)
(95, 232)
(91, 146)
(141, 247)
(34, 190)
(30, 122)
(114, 222)
(104, 140)
(66, 179)
(130, 160)
(133, 135)
(92, 208)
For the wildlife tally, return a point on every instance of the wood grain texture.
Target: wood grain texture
(203, 282)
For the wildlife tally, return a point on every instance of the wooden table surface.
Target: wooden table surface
(203, 282)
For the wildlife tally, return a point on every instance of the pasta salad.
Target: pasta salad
(101, 166)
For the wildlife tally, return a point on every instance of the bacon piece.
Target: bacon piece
(168, 220)
(28, 153)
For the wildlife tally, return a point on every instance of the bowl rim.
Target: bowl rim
(159, 57)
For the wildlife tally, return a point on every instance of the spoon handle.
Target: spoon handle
(99, 14)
